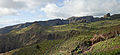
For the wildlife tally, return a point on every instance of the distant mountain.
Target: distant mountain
(116, 16)
(86, 19)
(42, 23)
(54, 22)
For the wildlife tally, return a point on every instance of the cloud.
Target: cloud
(5, 11)
(7, 22)
(4, 20)
(82, 8)
(11, 4)
(8, 7)
(65, 9)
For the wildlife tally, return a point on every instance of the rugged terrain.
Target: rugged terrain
(74, 36)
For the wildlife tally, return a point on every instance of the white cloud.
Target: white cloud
(82, 7)
(8, 7)
(6, 11)
(69, 7)
(4, 22)
(35, 3)
(11, 4)
(9, 21)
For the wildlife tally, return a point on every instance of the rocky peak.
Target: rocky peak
(107, 15)
(75, 19)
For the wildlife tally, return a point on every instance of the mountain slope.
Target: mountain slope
(79, 36)
(76, 38)
(42, 23)
(27, 36)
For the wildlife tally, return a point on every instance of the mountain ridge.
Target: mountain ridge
(53, 22)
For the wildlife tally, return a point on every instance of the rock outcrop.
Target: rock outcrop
(83, 19)
(107, 15)
(101, 37)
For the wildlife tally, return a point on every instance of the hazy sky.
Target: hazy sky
(20, 11)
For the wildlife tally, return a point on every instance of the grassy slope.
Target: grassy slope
(70, 44)
(86, 32)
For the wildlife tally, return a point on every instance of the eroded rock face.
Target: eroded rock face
(97, 38)
(101, 37)
(84, 47)
(80, 19)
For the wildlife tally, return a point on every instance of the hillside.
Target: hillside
(73, 36)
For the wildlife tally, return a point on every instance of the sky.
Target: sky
(20, 11)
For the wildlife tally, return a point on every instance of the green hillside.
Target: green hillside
(68, 39)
